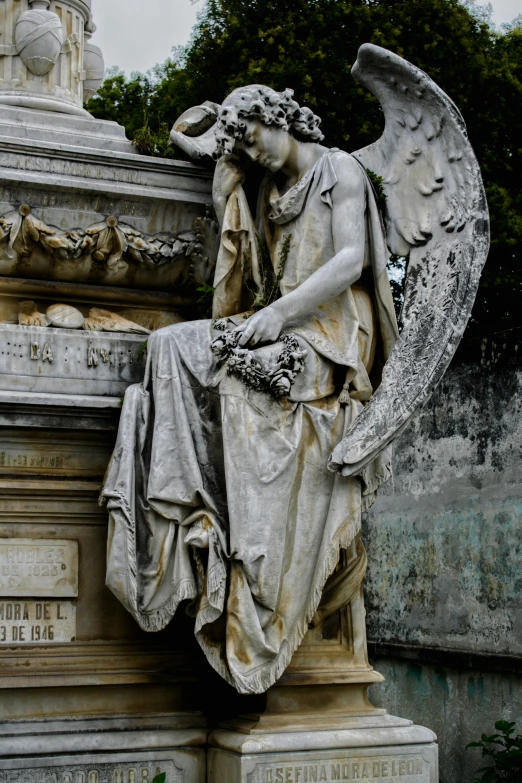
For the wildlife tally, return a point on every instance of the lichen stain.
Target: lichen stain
(443, 540)
(420, 683)
(475, 688)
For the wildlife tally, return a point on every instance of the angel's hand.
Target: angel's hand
(227, 175)
(264, 326)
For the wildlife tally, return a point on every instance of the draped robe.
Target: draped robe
(219, 494)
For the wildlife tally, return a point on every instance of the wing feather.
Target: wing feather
(436, 212)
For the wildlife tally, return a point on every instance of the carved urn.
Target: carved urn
(46, 58)
(38, 38)
(93, 64)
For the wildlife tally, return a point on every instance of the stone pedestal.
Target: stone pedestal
(321, 733)
(104, 751)
(374, 750)
(87, 222)
(106, 701)
(34, 129)
(46, 56)
(318, 723)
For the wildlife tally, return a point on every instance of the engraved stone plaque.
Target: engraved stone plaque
(96, 772)
(411, 769)
(393, 761)
(38, 568)
(52, 456)
(37, 622)
(33, 358)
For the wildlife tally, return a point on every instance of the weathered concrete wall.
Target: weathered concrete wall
(444, 544)
(458, 704)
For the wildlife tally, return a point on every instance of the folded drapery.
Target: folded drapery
(219, 494)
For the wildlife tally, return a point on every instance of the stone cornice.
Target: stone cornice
(107, 157)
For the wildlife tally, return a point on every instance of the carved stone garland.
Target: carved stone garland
(111, 243)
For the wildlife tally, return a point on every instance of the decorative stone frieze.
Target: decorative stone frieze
(108, 247)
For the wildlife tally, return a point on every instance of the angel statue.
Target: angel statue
(246, 457)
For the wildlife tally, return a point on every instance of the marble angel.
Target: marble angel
(246, 457)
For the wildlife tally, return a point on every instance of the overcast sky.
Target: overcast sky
(137, 34)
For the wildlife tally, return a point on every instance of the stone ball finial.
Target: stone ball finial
(39, 39)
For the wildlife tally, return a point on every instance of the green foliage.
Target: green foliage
(145, 104)
(123, 100)
(310, 45)
(154, 143)
(270, 279)
(159, 778)
(378, 188)
(204, 301)
(504, 751)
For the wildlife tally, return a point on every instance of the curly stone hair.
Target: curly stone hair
(271, 107)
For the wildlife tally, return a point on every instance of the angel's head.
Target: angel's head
(262, 123)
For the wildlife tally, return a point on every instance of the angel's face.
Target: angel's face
(267, 145)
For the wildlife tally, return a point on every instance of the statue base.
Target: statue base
(321, 733)
(318, 723)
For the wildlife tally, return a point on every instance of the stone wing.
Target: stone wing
(436, 213)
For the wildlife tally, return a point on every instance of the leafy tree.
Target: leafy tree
(145, 104)
(310, 45)
(123, 100)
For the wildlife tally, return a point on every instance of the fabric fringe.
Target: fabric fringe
(212, 604)
(209, 610)
(159, 618)
(259, 681)
(373, 479)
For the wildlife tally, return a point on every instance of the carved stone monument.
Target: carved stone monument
(249, 444)
(244, 495)
(98, 247)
